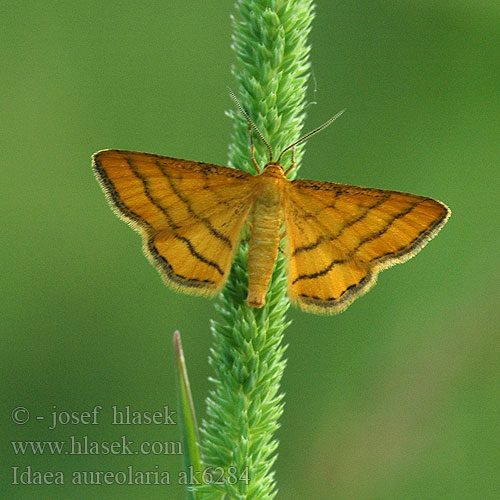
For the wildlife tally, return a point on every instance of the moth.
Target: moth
(337, 237)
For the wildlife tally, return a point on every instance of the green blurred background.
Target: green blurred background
(396, 398)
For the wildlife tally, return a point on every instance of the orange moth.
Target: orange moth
(336, 237)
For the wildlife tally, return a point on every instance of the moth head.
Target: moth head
(274, 168)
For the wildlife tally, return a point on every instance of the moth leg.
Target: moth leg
(247, 231)
(252, 149)
(292, 166)
(282, 234)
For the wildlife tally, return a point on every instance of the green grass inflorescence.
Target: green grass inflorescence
(270, 39)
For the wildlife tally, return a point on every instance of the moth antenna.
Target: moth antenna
(310, 134)
(244, 112)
